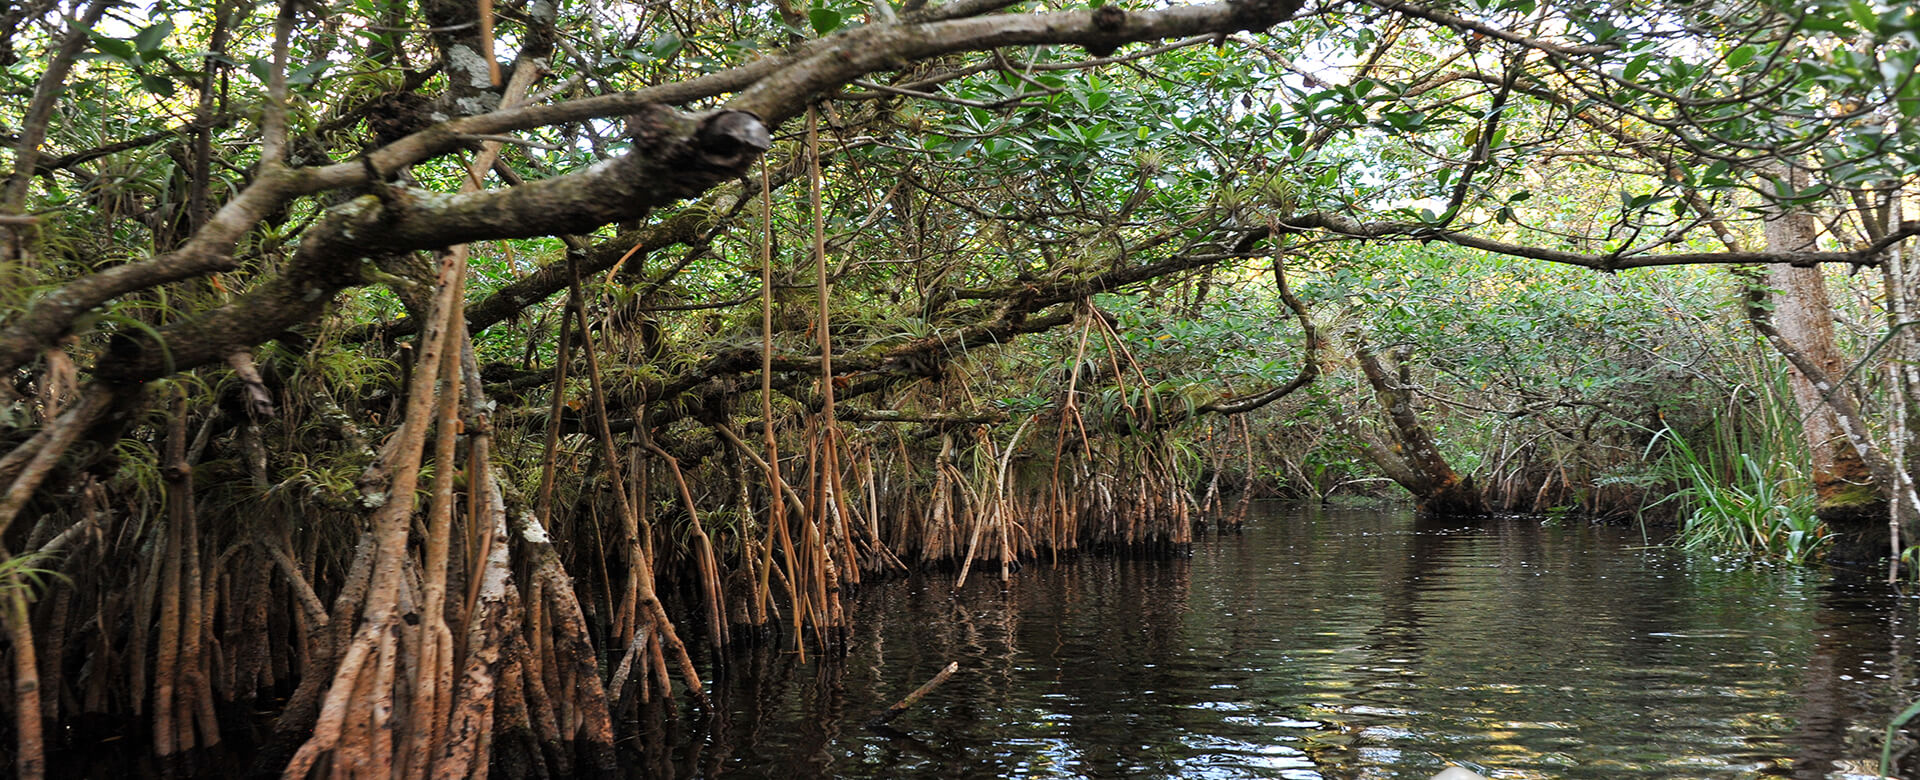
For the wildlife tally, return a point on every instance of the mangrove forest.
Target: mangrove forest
(959, 388)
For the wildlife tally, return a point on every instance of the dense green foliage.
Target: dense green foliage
(757, 301)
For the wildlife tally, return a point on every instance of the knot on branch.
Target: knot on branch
(732, 139)
(683, 155)
(1108, 21)
(1261, 14)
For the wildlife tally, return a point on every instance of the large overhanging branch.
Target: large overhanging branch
(1040, 294)
(687, 227)
(775, 88)
(1345, 227)
(690, 225)
(917, 358)
(674, 156)
(855, 53)
(1463, 24)
(1026, 309)
(708, 390)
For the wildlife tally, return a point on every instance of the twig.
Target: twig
(884, 716)
(420, 30)
(508, 139)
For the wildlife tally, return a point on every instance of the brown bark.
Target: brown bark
(1341, 226)
(26, 149)
(1309, 358)
(885, 716)
(1421, 469)
(30, 761)
(1851, 501)
(672, 159)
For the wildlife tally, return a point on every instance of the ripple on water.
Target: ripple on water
(1341, 645)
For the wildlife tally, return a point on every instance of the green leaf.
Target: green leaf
(825, 20)
(1886, 750)
(306, 75)
(1863, 15)
(150, 39)
(1635, 67)
(1909, 99)
(1820, 23)
(1741, 55)
(115, 47)
(661, 48)
(158, 85)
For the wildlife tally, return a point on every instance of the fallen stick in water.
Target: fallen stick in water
(882, 717)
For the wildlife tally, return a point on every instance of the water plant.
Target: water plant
(1738, 503)
(1886, 744)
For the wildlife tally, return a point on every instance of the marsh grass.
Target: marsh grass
(1733, 500)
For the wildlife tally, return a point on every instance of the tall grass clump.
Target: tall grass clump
(1735, 497)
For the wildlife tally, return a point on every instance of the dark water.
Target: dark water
(1340, 645)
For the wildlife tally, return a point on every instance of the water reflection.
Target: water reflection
(1333, 645)
(1861, 649)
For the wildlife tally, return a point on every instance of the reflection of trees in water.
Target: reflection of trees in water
(1096, 621)
(1510, 645)
(1502, 612)
(1861, 631)
(1113, 634)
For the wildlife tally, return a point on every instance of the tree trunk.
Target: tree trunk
(1851, 502)
(1415, 460)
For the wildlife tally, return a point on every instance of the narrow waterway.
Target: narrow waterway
(1339, 644)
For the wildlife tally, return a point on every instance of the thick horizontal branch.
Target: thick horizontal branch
(673, 156)
(916, 358)
(860, 51)
(1350, 228)
(1464, 24)
(775, 88)
(49, 165)
(574, 422)
(208, 251)
(707, 391)
(1025, 309)
(690, 225)
(707, 388)
(778, 88)
(1309, 360)
(1046, 293)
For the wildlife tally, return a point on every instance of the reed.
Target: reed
(1740, 491)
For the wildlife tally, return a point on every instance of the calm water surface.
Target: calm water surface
(1339, 645)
